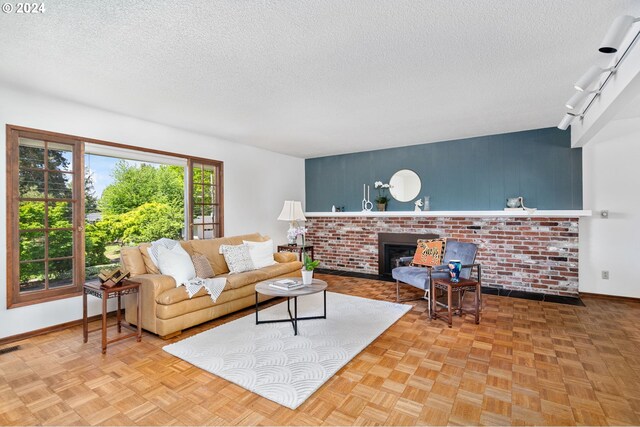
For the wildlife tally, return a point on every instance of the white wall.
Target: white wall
(611, 182)
(256, 182)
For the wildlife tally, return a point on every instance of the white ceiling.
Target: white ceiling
(313, 78)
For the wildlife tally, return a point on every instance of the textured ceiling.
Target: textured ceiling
(312, 78)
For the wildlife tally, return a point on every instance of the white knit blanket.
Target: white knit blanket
(214, 286)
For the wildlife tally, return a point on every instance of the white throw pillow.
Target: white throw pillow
(261, 253)
(176, 263)
(237, 258)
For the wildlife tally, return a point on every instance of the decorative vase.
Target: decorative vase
(307, 277)
(382, 207)
(427, 203)
(454, 270)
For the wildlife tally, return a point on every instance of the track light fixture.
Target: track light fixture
(590, 77)
(611, 44)
(567, 119)
(614, 37)
(578, 98)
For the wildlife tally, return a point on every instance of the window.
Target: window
(44, 257)
(62, 232)
(205, 195)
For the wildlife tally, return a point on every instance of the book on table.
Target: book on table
(286, 284)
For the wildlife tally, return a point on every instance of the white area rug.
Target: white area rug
(269, 360)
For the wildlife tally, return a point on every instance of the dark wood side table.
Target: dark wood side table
(299, 249)
(127, 287)
(449, 287)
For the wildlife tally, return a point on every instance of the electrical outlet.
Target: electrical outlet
(605, 274)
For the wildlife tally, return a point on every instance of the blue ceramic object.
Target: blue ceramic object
(454, 270)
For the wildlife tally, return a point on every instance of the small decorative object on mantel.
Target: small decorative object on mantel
(514, 203)
(418, 204)
(366, 201)
(454, 270)
(382, 198)
(517, 204)
(307, 269)
(112, 278)
(427, 203)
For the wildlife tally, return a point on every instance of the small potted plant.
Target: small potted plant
(308, 265)
(382, 198)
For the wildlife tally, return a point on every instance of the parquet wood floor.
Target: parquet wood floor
(528, 362)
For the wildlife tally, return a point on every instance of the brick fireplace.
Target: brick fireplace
(392, 246)
(532, 254)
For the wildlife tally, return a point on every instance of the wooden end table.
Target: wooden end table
(299, 249)
(449, 287)
(127, 287)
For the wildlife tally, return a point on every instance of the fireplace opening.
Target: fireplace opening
(392, 246)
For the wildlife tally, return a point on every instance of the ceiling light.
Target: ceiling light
(590, 77)
(578, 98)
(566, 120)
(614, 37)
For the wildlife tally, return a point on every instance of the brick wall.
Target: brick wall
(529, 254)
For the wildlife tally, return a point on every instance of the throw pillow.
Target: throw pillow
(429, 252)
(237, 258)
(202, 267)
(261, 253)
(176, 262)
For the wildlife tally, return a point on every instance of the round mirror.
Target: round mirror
(405, 185)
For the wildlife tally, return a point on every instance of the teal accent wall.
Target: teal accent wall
(467, 174)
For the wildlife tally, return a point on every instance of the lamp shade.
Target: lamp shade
(614, 37)
(292, 211)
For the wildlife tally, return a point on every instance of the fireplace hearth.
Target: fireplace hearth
(392, 246)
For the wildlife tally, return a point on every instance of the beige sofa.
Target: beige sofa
(167, 309)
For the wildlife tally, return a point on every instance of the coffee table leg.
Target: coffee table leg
(256, 308)
(325, 304)
(295, 315)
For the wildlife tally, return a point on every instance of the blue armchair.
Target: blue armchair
(421, 277)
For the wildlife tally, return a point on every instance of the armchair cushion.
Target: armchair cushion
(418, 276)
(465, 252)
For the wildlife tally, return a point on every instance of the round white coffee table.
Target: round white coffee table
(316, 286)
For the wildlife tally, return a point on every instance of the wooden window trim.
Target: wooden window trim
(14, 297)
(219, 186)
(13, 132)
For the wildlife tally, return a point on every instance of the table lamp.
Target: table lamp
(292, 212)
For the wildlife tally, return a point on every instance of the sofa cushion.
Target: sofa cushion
(235, 281)
(282, 268)
(172, 295)
(261, 252)
(131, 260)
(199, 302)
(202, 266)
(238, 258)
(211, 249)
(176, 262)
(150, 266)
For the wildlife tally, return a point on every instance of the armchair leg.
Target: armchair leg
(426, 292)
